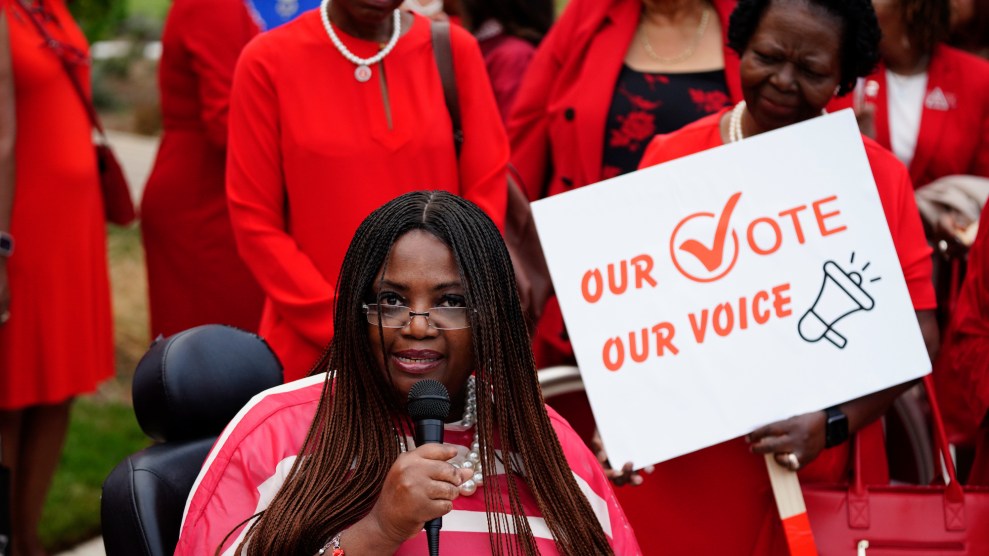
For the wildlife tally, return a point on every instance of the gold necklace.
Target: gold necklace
(687, 52)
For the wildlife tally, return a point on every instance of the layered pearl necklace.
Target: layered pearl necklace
(363, 71)
(473, 460)
(735, 123)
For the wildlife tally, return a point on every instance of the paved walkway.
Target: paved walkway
(136, 153)
(89, 548)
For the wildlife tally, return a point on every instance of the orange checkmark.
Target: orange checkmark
(711, 257)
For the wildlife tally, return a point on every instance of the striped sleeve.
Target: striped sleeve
(247, 465)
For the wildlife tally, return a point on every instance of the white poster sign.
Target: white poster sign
(739, 286)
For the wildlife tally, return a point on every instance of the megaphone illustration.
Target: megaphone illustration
(841, 295)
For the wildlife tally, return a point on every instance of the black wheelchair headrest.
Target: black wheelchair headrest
(191, 384)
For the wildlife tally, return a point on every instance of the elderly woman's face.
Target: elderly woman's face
(421, 274)
(792, 64)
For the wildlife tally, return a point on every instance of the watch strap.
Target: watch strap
(835, 427)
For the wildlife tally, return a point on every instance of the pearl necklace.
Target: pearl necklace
(363, 71)
(735, 123)
(473, 460)
(687, 52)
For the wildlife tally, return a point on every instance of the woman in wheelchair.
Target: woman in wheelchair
(327, 464)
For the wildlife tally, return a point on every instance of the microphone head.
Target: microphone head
(428, 399)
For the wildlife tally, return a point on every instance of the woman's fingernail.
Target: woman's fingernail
(649, 468)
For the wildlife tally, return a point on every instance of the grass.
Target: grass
(101, 434)
(103, 429)
(149, 9)
(129, 283)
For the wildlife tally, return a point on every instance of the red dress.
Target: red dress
(718, 500)
(194, 273)
(58, 342)
(313, 152)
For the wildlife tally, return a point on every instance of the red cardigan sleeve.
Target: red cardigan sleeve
(256, 196)
(215, 33)
(484, 154)
(528, 122)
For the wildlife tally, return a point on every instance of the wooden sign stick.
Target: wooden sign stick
(793, 513)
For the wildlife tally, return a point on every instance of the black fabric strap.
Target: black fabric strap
(73, 78)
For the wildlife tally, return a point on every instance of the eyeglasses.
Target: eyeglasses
(400, 316)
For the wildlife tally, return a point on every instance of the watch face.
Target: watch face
(836, 428)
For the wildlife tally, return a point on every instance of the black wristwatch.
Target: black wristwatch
(835, 427)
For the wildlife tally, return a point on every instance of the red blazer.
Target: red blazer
(557, 125)
(954, 125)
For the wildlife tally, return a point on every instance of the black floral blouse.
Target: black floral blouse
(649, 104)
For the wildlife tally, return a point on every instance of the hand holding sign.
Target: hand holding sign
(801, 436)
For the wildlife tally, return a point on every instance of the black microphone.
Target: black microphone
(429, 406)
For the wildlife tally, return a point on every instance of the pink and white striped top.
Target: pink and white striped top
(250, 460)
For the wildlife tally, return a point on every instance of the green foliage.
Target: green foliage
(101, 434)
(99, 19)
(152, 9)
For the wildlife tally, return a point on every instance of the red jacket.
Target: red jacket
(954, 126)
(557, 125)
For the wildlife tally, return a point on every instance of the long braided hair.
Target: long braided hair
(359, 424)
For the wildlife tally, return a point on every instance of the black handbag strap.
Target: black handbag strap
(54, 45)
(443, 51)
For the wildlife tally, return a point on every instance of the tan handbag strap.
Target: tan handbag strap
(443, 52)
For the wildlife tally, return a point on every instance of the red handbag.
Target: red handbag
(118, 206)
(886, 520)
